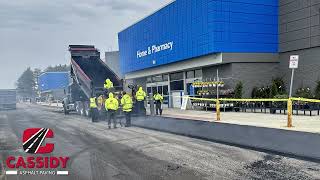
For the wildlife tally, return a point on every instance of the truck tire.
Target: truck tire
(65, 110)
(87, 109)
(79, 107)
(82, 109)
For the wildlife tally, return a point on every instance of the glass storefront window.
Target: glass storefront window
(149, 90)
(177, 85)
(160, 89)
(165, 90)
(154, 90)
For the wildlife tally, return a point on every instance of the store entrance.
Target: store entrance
(161, 88)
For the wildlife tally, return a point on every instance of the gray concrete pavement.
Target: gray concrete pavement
(276, 121)
(135, 153)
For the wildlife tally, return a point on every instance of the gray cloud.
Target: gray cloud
(37, 33)
(128, 5)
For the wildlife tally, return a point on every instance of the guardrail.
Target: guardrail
(289, 105)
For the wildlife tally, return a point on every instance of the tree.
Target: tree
(317, 91)
(254, 93)
(36, 73)
(58, 68)
(238, 90)
(26, 84)
(277, 87)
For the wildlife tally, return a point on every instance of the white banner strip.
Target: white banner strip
(11, 172)
(62, 172)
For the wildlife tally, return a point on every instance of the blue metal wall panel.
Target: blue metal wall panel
(53, 80)
(201, 27)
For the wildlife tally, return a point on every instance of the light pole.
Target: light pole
(217, 83)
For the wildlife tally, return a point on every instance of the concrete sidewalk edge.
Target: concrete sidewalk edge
(290, 143)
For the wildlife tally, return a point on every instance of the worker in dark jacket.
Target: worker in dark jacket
(94, 109)
(158, 100)
(112, 105)
(127, 104)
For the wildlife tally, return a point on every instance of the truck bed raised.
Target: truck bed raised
(89, 71)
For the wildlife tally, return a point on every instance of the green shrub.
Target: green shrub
(304, 93)
(281, 96)
(238, 91)
(264, 92)
(277, 87)
(254, 92)
(317, 91)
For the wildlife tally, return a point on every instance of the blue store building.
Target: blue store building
(192, 40)
(53, 84)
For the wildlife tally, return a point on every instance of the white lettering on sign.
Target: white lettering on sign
(155, 49)
(141, 54)
(294, 62)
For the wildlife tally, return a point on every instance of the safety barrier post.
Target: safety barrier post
(289, 124)
(218, 110)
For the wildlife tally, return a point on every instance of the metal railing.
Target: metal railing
(287, 106)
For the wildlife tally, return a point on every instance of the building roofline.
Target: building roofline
(141, 19)
(61, 72)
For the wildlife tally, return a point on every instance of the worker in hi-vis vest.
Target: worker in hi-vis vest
(108, 84)
(158, 100)
(127, 104)
(94, 109)
(112, 105)
(140, 97)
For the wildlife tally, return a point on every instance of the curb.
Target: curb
(294, 144)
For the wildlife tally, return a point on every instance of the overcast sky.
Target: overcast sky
(36, 33)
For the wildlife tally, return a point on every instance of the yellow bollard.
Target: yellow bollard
(218, 110)
(289, 124)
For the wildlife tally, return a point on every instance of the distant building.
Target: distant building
(53, 85)
(112, 60)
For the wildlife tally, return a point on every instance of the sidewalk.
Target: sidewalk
(277, 121)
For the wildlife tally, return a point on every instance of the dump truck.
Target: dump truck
(8, 99)
(88, 73)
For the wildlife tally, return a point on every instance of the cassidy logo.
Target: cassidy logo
(33, 144)
(33, 138)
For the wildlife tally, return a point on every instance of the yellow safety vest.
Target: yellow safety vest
(112, 104)
(126, 102)
(93, 103)
(108, 84)
(158, 97)
(140, 95)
